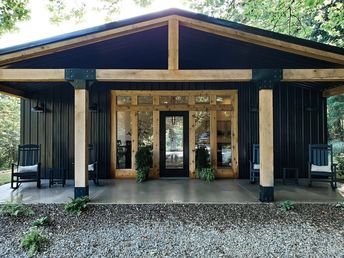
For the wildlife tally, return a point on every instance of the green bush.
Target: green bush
(287, 205)
(16, 209)
(32, 241)
(77, 205)
(339, 159)
(143, 161)
(340, 205)
(44, 221)
(207, 174)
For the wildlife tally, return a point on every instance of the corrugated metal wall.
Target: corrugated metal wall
(299, 119)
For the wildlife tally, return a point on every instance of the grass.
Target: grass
(5, 177)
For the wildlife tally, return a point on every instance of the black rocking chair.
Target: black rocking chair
(92, 165)
(28, 167)
(320, 165)
(254, 164)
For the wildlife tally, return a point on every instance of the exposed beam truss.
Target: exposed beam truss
(333, 91)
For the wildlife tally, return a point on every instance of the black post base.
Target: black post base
(266, 193)
(81, 191)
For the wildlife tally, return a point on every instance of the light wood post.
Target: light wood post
(192, 140)
(156, 139)
(266, 146)
(81, 143)
(173, 44)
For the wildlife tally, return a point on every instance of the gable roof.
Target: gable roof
(158, 19)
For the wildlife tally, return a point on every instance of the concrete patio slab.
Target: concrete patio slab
(170, 191)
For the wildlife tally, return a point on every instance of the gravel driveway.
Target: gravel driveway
(236, 230)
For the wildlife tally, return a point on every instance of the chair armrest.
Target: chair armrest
(13, 166)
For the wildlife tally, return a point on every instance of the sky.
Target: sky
(39, 26)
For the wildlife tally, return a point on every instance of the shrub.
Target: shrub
(16, 209)
(339, 159)
(32, 241)
(207, 174)
(44, 221)
(143, 161)
(77, 205)
(340, 205)
(287, 205)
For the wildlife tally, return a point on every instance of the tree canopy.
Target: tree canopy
(12, 12)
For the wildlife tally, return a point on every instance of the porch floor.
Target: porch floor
(172, 191)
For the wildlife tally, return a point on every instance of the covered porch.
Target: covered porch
(224, 191)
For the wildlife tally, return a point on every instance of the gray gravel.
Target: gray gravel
(236, 230)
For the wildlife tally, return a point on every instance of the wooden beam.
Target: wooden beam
(173, 44)
(261, 40)
(192, 139)
(173, 75)
(266, 146)
(234, 134)
(32, 75)
(113, 134)
(313, 75)
(82, 40)
(156, 139)
(12, 91)
(332, 91)
(136, 75)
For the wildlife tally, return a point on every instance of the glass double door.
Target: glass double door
(174, 144)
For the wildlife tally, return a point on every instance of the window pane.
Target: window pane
(145, 99)
(174, 142)
(202, 99)
(123, 140)
(224, 151)
(145, 130)
(223, 99)
(173, 100)
(123, 100)
(202, 130)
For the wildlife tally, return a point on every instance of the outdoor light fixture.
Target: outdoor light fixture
(93, 107)
(39, 108)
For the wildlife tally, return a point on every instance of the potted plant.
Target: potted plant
(143, 161)
(204, 170)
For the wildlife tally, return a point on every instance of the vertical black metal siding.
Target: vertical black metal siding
(299, 119)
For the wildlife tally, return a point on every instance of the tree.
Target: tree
(12, 12)
(9, 129)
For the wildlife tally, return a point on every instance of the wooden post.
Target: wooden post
(213, 133)
(134, 132)
(156, 138)
(266, 147)
(192, 149)
(173, 44)
(81, 143)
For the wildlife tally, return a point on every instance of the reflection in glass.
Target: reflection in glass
(202, 130)
(123, 140)
(174, 142)
(224, 151)
(173, 100)
(145, 129)
(145, 99)
(223, 99)
(123, 100)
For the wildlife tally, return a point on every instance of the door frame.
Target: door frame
(174, 172)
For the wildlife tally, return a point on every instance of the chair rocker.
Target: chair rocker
(320, 165)
(254, 164)
(28, 167)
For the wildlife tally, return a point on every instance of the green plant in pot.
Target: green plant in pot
(204, 170)
(143, 161)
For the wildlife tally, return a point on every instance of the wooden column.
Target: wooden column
(173, 44)
(266, 146)
(213, 133)
(192, 149)
(156, 139)
(81, 142)
(134, 132)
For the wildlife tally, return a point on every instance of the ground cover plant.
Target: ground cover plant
(287, 205)
(16, 209)
(77, 205)
(32, 241)
(41, 222)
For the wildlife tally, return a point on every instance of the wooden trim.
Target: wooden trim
(136, 75)
(261, 40)
(82, 40)
(315, 75)
(329, 92)
(181, 107)
(173, 44)
(134, 137)
(213, 133)
(12, 91)
(234, 136)
(266, 146)
(113, 134)
(171, 93)
(156, 139)
(192, 140)
(173, 75)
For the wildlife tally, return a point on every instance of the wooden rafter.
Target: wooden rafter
(333, 91)
(173, 44)
(261, 40)
(12, 91)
